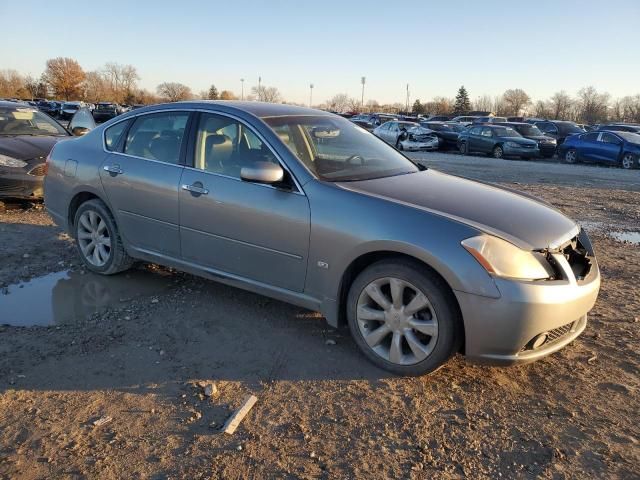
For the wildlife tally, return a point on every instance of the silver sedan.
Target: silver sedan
(304, 206)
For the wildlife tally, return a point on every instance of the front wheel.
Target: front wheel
(629, 161)
(403, 317)
(98, 240)
(399, 145)
(464, 150)
(497, 152)
(571, 156)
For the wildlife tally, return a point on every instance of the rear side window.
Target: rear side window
(157, 136)
(112, 135)
(590, 137)
(608, 138)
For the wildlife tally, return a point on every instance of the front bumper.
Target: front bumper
(415, 146)
(500, 331)
(21, 185)
(520, 151)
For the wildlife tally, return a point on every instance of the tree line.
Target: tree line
(63, 78)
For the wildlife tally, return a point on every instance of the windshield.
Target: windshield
(529, 130)
(569, 127)
(106, 106)
(336, 150)
(505, 132)
(70, 106)
(25, 121)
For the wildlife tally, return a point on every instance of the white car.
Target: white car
(407, 136)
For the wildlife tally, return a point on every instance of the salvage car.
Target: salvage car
(26, 138)
(559, 129)
(306, 207)
(447, 134)
(497, 141)
(614, 148)
(407, 136)
(105, 111)
(546, 144)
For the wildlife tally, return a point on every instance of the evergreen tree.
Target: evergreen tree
(462, 105)
(418, 108)
(213, 93)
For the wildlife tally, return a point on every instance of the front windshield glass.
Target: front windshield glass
(530, 131)
(569, 127)
(335, 150)
(505, 132)
(26, 121)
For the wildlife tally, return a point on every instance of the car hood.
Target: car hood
(539, 137)
(520, 219)
(24, 147)
(520, 140)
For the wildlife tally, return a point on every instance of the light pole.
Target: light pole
(242, 91)
(310, 94)
(363, 80)
(259, 88)
(407, 105)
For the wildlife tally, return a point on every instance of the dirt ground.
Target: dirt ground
(323, 411)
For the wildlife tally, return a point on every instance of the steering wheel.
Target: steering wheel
(352, 158)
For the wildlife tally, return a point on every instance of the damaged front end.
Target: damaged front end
(416, 139)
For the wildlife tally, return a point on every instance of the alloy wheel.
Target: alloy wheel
(497, 152)
(463, 148)
(571, 156)
(627, 162)
(93, 238)
(397, 321)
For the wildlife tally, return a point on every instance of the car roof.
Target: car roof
(258, 109)
(8, 104)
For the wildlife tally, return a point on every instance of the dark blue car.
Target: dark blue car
(618, 148)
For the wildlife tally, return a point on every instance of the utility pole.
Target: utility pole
(407, 108)
(260, 88)
(242, 83)
(363, 80)
(310, 95)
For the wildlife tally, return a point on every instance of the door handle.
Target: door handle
(115, 169)
(195, 189)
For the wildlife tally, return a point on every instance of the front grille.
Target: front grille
(38, 170)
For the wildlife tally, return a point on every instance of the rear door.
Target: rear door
(588, 147)
(608, 148)
(142, 176)
(475, 139)
(255, 231)
(486, 140)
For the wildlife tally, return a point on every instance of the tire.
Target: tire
(399, 145)
(88, 229)
(464, 150)
(629, 161)
(434, 348)
(571, 156)
(497, 152)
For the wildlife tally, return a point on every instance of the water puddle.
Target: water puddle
(68, 297)
(631, 237)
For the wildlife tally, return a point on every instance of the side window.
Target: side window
(224, 146)
(608, 138)
(486, 132)
(157, 136)
(475, 131)
(113, 134)
(590, 137)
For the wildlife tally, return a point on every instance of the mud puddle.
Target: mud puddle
(631, 237)
(69, 296)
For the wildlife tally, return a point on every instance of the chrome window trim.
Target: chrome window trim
(282, 163)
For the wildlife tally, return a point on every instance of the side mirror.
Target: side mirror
(79, 131)
(262, 172)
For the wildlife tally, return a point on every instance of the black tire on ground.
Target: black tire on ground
(399, 145)
(497, 152)
(463, 148)
(118, 260)
(571, 156)
(439, 294)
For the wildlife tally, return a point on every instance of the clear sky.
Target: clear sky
(489, 46)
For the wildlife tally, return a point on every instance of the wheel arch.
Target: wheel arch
(80, 197)
(361, 262)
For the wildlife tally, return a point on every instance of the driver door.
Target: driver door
(254, 231)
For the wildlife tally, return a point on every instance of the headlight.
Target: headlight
(512, 145)
(6, 161)
(504, 259)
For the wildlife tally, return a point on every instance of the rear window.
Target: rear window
(106, 107)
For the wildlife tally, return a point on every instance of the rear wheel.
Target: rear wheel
(497, 152)
(98, 239)
(464, 150)
(399, 145)
(571, 156)
(403, 317)
(629, 161)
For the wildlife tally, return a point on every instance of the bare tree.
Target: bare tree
(372, 105)
(339, 102)
(542, 109)
(515, 101)
(65, 75)
(122, 78)
(36, 87)
(631, 108)
(267, 94)
(592, 106)
(174, 91)
(12, 84)
(97, 87)
(228, 95)
(560, 104)
(483, 104)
